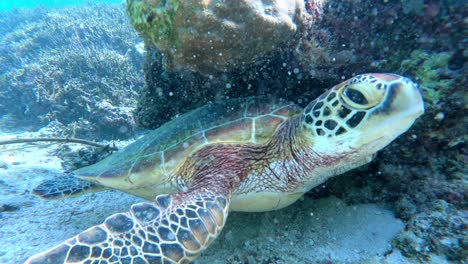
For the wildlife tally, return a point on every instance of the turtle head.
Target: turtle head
(363, 114)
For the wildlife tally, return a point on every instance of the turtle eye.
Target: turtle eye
(361, 95)
(355, 96)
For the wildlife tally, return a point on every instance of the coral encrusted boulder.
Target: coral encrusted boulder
(218, 35)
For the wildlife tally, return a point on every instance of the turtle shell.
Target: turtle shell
(150, 160)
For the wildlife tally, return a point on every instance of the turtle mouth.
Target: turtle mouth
(380, 134)
(417, 109)
(412, 103)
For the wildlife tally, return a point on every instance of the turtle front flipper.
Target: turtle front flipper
(64, 186)
(173, 229)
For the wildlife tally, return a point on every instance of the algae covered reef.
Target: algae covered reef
(76, 73)
(73, 66)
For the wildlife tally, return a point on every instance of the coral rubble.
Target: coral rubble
(72, 65)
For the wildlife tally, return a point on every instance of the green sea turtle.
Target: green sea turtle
(240, 155)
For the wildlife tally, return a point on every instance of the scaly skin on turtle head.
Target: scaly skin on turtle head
(363, 114)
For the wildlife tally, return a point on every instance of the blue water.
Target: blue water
(6, 5)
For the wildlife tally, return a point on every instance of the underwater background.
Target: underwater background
(86, 69)
(9, 5)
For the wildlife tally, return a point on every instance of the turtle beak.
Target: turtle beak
(408, 100)
(406, 104)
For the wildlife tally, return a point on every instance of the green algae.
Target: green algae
(432, 71)
(155, 22)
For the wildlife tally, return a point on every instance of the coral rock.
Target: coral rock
(215, 36)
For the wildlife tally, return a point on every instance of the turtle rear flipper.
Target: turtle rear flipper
(173, 229)
(64, 186)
